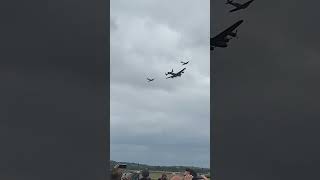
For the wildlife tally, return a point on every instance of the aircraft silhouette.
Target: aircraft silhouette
(184, 63)
(222, 39)
(238, 5)
(173, 75)
(149, 80)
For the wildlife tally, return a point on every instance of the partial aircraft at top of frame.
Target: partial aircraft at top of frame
(221, 40)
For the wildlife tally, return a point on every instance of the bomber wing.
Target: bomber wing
(226, 32)
(182, 71)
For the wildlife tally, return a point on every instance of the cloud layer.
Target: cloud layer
(165, 122)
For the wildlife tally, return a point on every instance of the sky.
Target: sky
(167, 121)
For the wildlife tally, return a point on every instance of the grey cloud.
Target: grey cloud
(113, 24)
(151, 38)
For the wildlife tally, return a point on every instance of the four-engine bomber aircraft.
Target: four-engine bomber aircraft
(238, 5)
(173, 75)
(222, 39)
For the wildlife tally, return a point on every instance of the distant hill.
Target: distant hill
(136, 166)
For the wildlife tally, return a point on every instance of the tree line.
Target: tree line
(137, 166)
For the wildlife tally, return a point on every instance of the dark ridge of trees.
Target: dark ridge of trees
(136, 166)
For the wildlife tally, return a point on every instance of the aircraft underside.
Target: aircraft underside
(220, 44)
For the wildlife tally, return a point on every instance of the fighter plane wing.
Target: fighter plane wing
(243, 6)
(226, 32)
(235, 9)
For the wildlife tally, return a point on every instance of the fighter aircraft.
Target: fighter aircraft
(222, 39)
(184, 63)
(178, 74)
(238, 5)
(149, 80)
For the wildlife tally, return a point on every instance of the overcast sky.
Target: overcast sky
(165, 122)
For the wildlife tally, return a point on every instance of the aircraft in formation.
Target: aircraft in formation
(184, 63)
(149, 80)
(221, 40)
(238, 5)
(173, 75)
